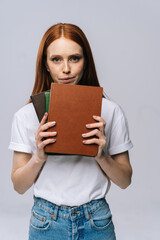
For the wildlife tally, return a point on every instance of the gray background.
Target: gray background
(124, 36)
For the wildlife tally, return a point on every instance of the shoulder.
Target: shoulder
(112, 108)
(27, 114)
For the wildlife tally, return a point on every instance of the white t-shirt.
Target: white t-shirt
(71, 180)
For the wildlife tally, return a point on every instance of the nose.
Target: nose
(66, 67)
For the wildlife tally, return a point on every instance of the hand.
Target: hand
(99, 132)
(40, 136)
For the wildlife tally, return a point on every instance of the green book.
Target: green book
(47, 100)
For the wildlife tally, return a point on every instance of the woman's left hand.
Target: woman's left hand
(99, 132)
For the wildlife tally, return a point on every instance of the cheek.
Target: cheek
(80, 69)
(54, 70)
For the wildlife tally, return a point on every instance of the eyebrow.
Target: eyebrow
(74, 54)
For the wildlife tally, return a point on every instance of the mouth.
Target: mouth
(67, 80)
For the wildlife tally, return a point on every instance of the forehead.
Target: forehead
(63, 45)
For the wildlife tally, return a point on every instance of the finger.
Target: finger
(94, 125)
(43, 119)
(92, 133)
(46, 126)
(42, 144)
(100, 142)
(47, 134)
(41, 135)
(38, 133)
(92, 141)
(100, 119)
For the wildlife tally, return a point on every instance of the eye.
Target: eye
(55, 59)
(75, 58)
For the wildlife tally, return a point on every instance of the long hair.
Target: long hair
(43, 79)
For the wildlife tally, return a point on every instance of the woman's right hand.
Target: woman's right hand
(40, 136)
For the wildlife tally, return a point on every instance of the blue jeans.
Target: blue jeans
(91, 221)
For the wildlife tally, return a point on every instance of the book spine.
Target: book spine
(47, 100)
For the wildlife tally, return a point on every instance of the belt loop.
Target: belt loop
(55, 213)
(87, 215)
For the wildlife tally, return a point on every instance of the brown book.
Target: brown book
(72, 107)
(38, 101)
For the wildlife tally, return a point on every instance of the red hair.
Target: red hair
(43, 79)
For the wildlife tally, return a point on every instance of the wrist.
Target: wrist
(39, 160)
(103, 156)
(100, 155)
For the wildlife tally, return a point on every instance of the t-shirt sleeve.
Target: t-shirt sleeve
(119, 137)
(19, 137)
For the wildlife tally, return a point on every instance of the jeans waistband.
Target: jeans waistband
(69, 212)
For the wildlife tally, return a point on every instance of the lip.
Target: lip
(67, 79)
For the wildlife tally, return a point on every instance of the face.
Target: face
(65, 61)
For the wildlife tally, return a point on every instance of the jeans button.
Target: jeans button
(74, 213)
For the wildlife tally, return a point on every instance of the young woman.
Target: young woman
(69, 191)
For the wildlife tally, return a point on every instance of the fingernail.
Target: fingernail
(84, 141)
(54, 132)
(87, 125)
(83, 134)
(94, 116)
(53, 122)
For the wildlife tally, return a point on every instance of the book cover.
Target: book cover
(72, 107)
(38, 101)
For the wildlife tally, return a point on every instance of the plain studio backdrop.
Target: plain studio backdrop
(124, 37)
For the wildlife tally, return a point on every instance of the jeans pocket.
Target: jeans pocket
(39, 219)
(101, 219)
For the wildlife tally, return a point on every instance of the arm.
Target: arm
(116, 167)
(26, 167)
(25, 171)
